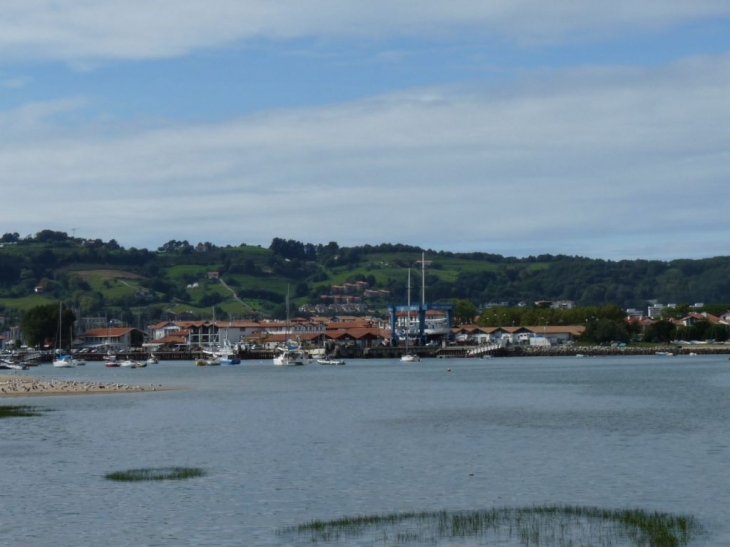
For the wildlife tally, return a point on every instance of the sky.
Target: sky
(516, 127)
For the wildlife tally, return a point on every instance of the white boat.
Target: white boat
(291, 353)
(226, 354)
(436, 326)
(330, 360)
(129, 363)
(13, 365)
(152, 360)
(409, 357)
(64, 361)
(210, 361)
(61, 360)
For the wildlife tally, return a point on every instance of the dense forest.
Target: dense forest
(96, 276)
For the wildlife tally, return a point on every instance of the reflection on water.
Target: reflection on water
(284, 445)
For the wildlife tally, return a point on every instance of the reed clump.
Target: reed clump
(15, 411)
(156, 474)
(536, 526)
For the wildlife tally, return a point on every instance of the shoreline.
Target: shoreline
(34, 386)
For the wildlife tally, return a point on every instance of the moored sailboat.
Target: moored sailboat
(409, 357)
(61, 360)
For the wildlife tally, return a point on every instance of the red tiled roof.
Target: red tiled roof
(111, 332)
(358, 333)
(177, 338)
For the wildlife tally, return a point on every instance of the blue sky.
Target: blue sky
(515, 127)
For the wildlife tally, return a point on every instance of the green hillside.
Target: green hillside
(97, 277)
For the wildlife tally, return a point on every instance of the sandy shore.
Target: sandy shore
(28, 386)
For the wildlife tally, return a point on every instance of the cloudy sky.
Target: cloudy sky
(516, 127)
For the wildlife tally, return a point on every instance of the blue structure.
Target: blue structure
(420, 310)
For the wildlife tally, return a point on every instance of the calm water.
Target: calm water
(286, 445)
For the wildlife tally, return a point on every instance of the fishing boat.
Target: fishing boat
(292, 353)
(226, 355)
(409, 357)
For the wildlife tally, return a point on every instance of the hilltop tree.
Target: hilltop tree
(10, 238)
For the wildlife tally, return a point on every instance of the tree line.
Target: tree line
(49, 258)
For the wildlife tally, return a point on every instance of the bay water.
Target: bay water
(285, 445)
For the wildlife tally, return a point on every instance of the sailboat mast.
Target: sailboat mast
(408, 311)
(423, 279)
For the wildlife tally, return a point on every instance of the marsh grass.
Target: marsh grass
(155, 474)
(537, 526)
(15, 411)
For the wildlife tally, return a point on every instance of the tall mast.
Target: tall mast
(423, 279)
(408, 311)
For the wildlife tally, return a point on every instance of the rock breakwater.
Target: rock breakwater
(604, 351)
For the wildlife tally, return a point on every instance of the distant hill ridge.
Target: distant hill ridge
(183, 278)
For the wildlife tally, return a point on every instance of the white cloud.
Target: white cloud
(31, 118)
(79, 30)
(15, 83)
(590, 162)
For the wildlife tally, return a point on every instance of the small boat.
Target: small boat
(64, 361)
(13, 365)
(129, 363)
(410, 358)
(330, 360)
(291, 353)
(141, 364)
(209, 362)
(152, 360)
(61, 360)
(664, 353)
(111, 364)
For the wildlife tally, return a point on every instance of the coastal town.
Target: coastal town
(430, 333)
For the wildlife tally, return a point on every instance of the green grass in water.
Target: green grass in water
(156, 474)
(14, 411)
(537, 526)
